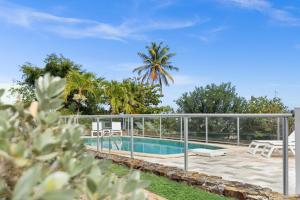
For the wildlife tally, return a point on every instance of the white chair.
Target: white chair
(116, 127)
(276, 146)
(259, 145)
(95, 128)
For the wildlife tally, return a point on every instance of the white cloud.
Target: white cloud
(208, 35)
(83, 28)
(267, 8)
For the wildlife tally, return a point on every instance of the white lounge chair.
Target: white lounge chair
(276, 146)
(94, 129)
(116, 127)
(257, 146)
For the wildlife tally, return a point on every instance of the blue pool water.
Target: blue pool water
(146, 145)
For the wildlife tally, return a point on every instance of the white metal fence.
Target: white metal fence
(185, 125)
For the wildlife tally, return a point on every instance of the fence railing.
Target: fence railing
(203, 127)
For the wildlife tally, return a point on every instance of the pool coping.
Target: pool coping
(165, 156)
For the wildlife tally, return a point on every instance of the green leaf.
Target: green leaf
(26, 183)
(47, 156)
(55, 181)
(4, 145)
(44, 140)
(92, 186)
(80, 166)
(58, 195)
(52, 117)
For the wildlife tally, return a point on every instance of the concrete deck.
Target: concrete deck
(237, 165)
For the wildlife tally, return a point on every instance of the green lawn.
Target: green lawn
(167, 188)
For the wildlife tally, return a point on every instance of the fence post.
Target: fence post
(131, 137)
(143, 122)
(128, 126)
(297, 157)
(180, 128)
(97, 135)
(186, 140)
(160, 127)
(278, 128)
(285, 157)
(238, 130)
(206, 129)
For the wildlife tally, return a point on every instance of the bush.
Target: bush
(42, 158)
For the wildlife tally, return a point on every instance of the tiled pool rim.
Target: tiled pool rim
(174, 155)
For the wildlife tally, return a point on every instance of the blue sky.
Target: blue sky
(255, 44)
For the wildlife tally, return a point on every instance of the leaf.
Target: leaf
(4, 145)
(58, 195)
(52, 117)
(47, 156)
(44, 140)
(55, 181)
(79, 167)
(26, 183)
(92, 186)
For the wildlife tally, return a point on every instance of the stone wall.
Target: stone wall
(214, 184)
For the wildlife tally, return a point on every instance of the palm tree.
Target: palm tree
(113, 93)
(156, 65)
(120, 97)
(82, 84)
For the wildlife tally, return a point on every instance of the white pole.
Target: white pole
(143, 121)
(128, 127)
(238, 130)
(180, 128)
(186, 143)
(97, 134)
(285, 152)
(160, 127)
(278, 128)
(131, 138)
(206, 129)
(297, 157)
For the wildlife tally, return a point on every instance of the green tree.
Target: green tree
(147, 97)
(113, 94)
(156, 64)
(54, 64)
(212, 99)
(58, 65)
(265, 105)
(131, 96)
(263, 128)
(80, 85)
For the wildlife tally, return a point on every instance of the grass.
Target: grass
(167, 188)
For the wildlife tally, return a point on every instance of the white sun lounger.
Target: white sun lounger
(257, 146)
(94, 128)
(208, 152)
(116, 128)
(276, 146)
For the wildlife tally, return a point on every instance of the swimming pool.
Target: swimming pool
(146, 145)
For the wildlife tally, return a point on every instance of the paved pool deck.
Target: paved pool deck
(237, 165)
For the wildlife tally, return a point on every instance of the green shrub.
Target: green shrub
(42, 158)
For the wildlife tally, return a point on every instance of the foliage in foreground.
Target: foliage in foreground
(167, 188)
(41, 158)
